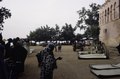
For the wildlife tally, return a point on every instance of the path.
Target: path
(70, 67)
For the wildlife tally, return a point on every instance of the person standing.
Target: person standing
(1, 40)
(3, 69)
(55, 44)
(19, 54)
(8, 49)
(118, 47)
(74, 46)
(48, 62)
(59, 47)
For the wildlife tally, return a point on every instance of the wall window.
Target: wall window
(114, 10)
(102, 17)
(108, 15)
(105, 16)
(111, 12)
(105, 30)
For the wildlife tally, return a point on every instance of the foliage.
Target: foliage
(89, 20)
(78, 37)
(4, 14)
(67, 32)
(45, 33)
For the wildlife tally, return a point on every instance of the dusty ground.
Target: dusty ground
(70, 67)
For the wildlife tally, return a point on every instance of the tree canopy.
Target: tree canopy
(67, 32)
(89, 20)
(4, 14)
(46, 33)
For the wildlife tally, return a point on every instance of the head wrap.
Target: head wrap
(50, 46)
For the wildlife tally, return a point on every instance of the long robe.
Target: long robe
(48, 64)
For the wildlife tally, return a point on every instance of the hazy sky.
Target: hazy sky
(27, 15)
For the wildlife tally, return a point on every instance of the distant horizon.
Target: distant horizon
(28, 15)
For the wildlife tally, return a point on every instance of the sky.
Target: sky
(28, 15)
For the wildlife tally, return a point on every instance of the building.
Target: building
(109, 22)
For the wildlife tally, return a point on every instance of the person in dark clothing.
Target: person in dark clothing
(59, 47)
(48, 62)
(19, 55)
(74, 46)
(3, 69)
(8, 49)
(1, 40)
(118, 47)
(55, 44)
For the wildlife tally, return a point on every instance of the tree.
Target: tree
(57, 33)
(44, 33)
(89, 20)
(67, 32)
(78, 37)
(4, 14)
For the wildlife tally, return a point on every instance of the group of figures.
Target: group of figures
(81, 44)
(12, 58)
(47, 61)
(58, 47)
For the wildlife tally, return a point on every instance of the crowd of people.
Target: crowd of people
(14, 52)
(12, 58)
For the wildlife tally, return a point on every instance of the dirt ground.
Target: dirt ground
(70, 67)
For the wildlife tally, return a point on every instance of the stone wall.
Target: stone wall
(109, 23)
(110, 33)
